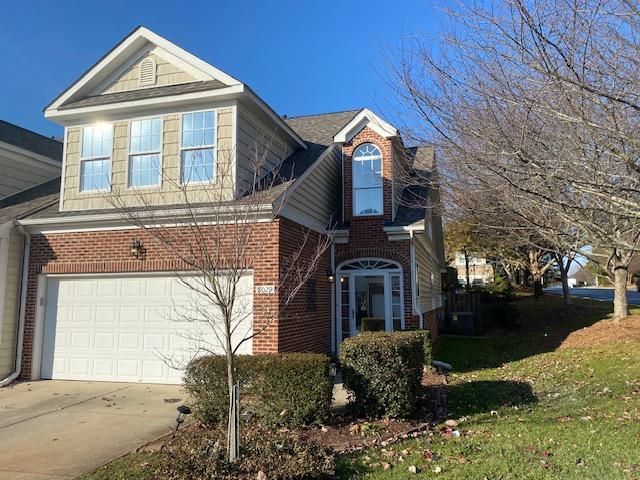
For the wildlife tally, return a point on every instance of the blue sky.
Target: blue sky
(301, 57)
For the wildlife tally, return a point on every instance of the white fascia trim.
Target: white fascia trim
(303, 220)
(221, 93)
(138, 37)
(365, 118)
(114, 221)
(274, 116)
(403, 232)
(35, 159)
(340, 236)
(64, 163)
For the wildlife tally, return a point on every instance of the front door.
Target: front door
(369, 299)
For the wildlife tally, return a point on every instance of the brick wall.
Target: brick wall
(367, 135)
(109, 252)
(305, 323)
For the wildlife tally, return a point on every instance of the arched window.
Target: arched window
(367, 180)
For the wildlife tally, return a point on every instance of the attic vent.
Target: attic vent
(147, 72)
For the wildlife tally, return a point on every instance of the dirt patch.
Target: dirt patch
(604, 331)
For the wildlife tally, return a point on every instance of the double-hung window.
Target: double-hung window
(144, 152)
(198, 147)
(95, 157)
(367, 180)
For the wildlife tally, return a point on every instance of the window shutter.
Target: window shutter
(147, 72)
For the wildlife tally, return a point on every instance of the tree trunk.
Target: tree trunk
(537, 286)
(466, 266)
(566, 291)
(620, 303)
(231, 380)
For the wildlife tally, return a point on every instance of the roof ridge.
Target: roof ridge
(53, 139)
(325, 113)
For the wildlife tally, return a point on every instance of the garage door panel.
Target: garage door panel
(107, 315)
(127, 329)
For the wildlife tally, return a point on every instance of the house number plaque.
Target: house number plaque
(265, 289)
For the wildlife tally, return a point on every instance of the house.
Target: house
(155, 123)
(480, 270)
(26, 159)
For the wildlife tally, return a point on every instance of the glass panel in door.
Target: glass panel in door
(396, 302)
(344, 307)
(369, 303)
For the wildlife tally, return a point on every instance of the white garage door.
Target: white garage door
(128, 328)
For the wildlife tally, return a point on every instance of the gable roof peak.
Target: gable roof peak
(365, 118)
(140, 39)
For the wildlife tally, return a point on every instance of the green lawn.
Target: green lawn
(527, 410)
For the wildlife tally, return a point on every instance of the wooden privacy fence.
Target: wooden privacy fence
(462, 312)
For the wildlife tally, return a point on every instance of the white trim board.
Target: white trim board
(365, 118)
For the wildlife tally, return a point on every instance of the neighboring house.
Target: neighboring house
(480, 270)
(86, 296)
(26, 159)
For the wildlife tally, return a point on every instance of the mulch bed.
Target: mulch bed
(604, 331)
(344, 433)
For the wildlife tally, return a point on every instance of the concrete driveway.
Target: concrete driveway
(55, 429)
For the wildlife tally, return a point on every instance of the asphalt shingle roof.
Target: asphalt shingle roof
(144, 93)
(21, 204)
(320, 129)
(32, 141)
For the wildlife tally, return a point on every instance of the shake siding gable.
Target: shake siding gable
(166, 74)
(167, 193)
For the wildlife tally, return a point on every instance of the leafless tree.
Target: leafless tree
(539, 99)
(215, 237)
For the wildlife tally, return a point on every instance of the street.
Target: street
(604, 294)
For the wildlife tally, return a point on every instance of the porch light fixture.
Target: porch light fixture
(137, 249)
(331, 276)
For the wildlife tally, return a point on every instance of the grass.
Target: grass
(528, 410)
(137, 466)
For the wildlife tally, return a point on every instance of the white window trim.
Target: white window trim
(160, 153)
(353, 189)
(350, 275)
(202, 147)
(82, 159)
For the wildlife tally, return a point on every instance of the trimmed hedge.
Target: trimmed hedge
(383, 372)
(291, 389)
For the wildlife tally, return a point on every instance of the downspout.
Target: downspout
(23, 304)
(414, 299)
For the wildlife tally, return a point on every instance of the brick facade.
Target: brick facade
(386, 148)
(271, 246)
(366, 235)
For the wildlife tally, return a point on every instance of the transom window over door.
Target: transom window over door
(198, 147)
(144, 152)
(95, 157)
(367, 180)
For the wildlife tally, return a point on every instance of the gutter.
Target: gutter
(414, 299)
(23, 304)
